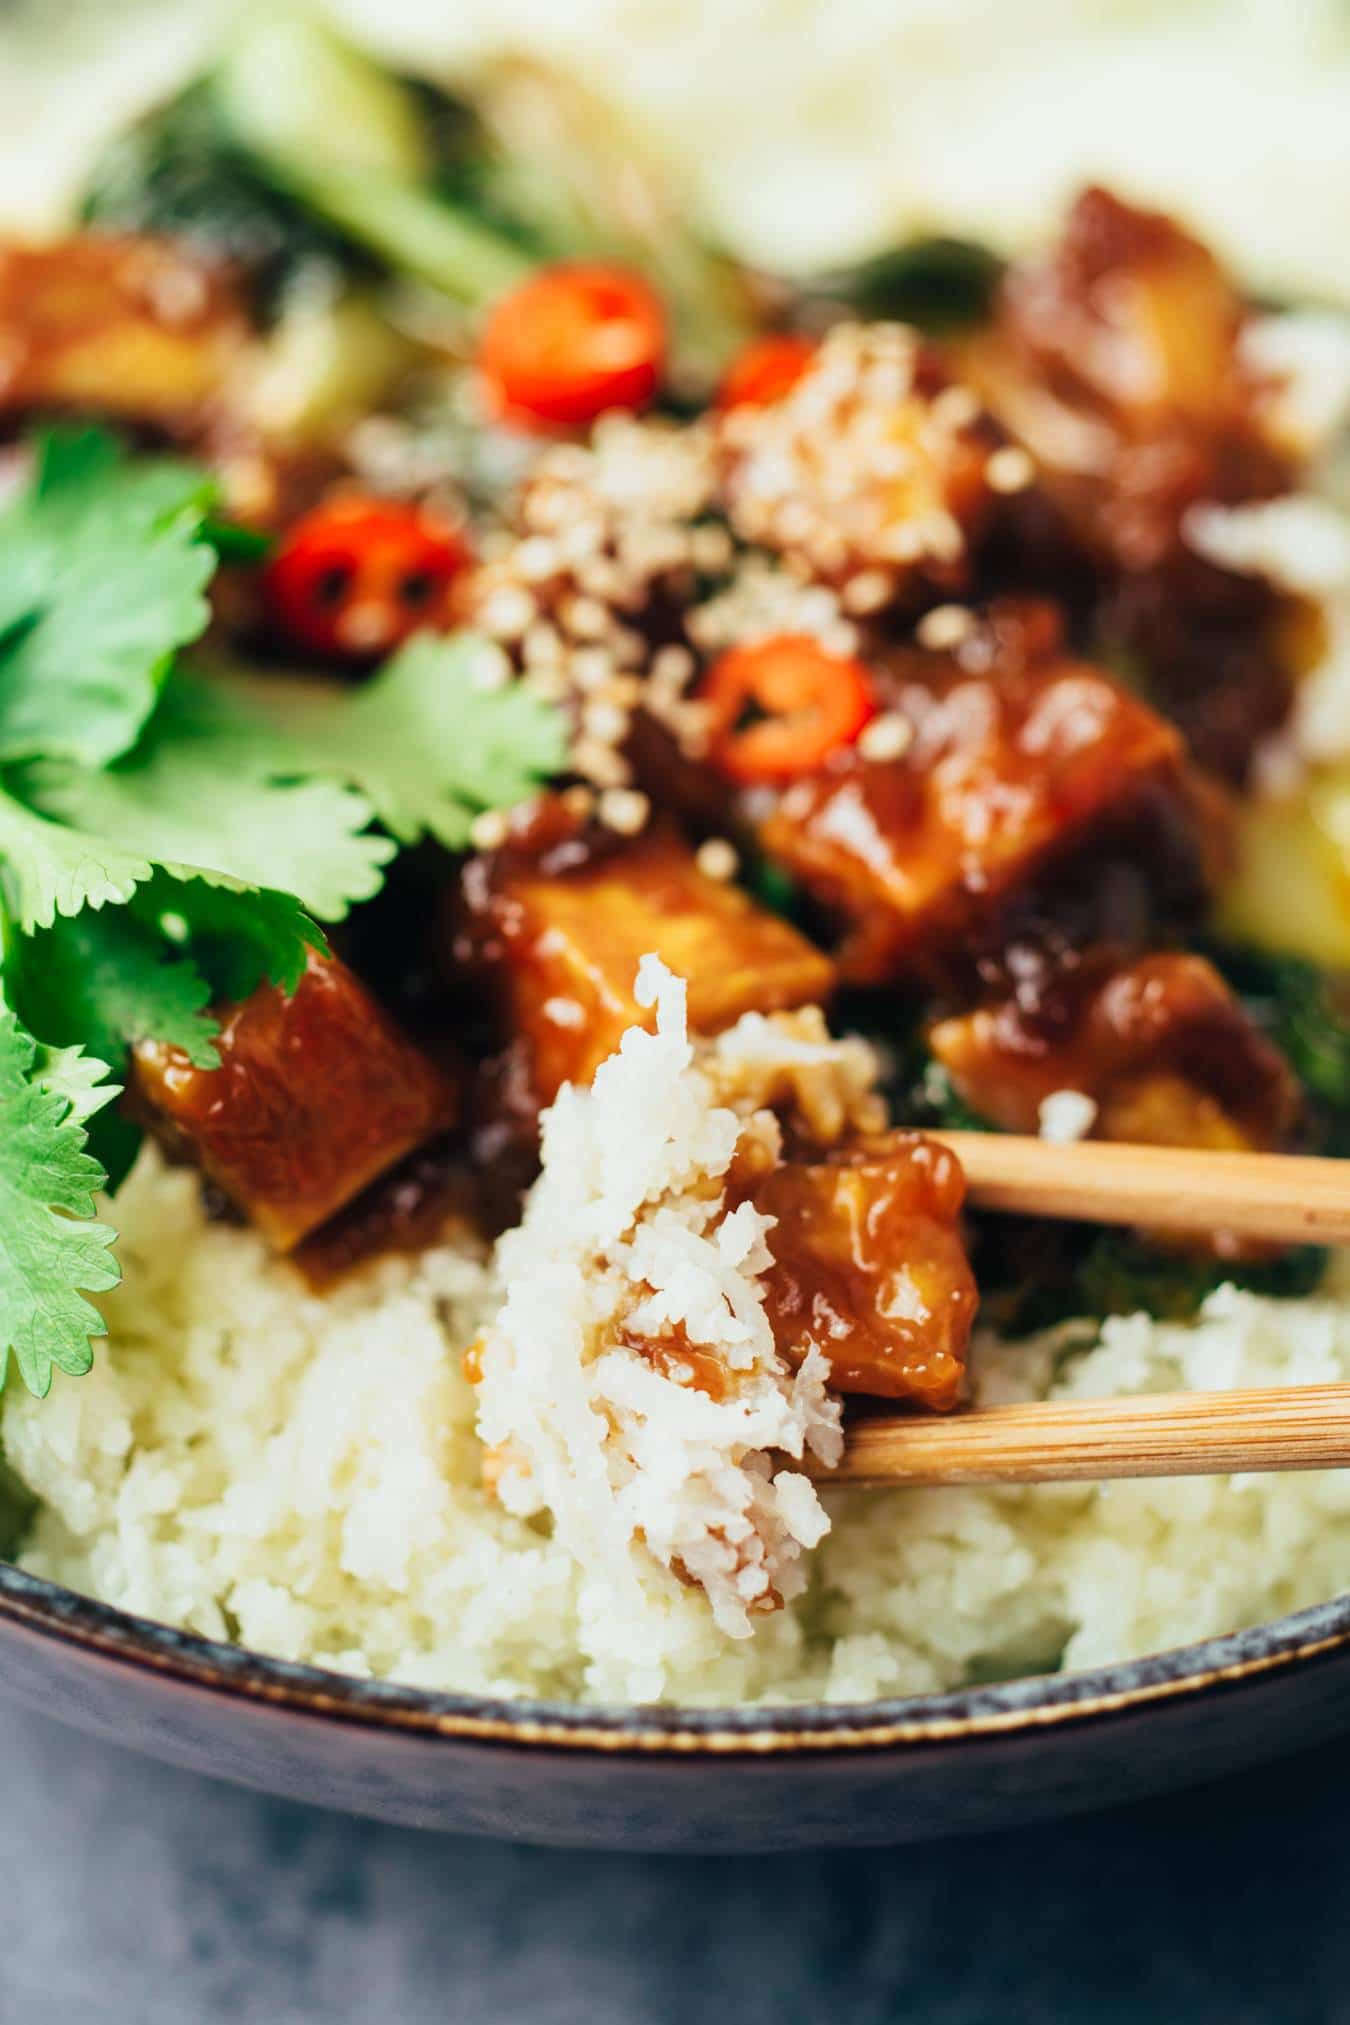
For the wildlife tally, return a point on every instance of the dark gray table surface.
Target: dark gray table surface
(140, 1896)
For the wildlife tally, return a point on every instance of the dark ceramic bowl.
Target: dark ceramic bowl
(654, 1778)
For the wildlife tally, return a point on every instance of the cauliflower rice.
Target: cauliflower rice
(250, 1460)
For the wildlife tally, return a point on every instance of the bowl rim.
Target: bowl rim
(911, 1722)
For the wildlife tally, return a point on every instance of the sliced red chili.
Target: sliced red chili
(571, 342)
(766, 370)
(355, 576)
(780, 707)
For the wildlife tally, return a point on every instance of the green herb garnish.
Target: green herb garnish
(51, 1243)
(168, 840)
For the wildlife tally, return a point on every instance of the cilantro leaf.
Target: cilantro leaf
(52, 1251)
(47, 869)
(83, 478)
(79, 1078)
(49, 872)
(432, 739)
(102, 575)
(106, 981)
(208, 785)
(238, 935)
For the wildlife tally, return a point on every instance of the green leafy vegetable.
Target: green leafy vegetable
(1306, 1012)
(237, 935)
(165, 839)
(433, 739)
(52, 1250)
(1035, 1276)
(180, 171)
(210, 785)
(939, 284)
(102, 576)
(108, 980)
(300, 153)
(17, 1508)
(47, 869)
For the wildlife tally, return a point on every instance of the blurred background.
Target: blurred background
(811, 131)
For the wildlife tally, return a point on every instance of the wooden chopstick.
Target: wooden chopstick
(1165, 1434)
(1288, 1198)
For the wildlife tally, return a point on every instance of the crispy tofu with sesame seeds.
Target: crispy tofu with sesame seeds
(317, 1094)
(1158, 1045)
(559, 919)
(136, 329)
(869, 1266)
(873, 474)
(1019, 759)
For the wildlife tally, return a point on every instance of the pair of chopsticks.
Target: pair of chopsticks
(1285, 1198)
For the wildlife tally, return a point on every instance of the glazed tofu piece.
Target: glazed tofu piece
(1116, 360)
(1016, 761)
(316, 1095)
(561, 919)
(1160, 1047)
(137, 329)
(1131, 313)
(870, 1266)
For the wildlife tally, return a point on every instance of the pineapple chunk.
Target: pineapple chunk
(1291, 888)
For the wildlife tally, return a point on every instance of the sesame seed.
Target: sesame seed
(941, 535)
(672, 666)
(603, 579)
(491, 670)
(547, 682)
(586, 618)
(1009, 469)
(579, 802)
(840, 638)
(606, 722)
(590, 667)
(717, 859)
(489, 831)
(955, 408)
(599, 763)
(536, 558)
(945, 626)
(1066, 1115)
(508, 612)
(624, 810)
(886, 737)
(710, 548)
(866, 591)
(542, 645)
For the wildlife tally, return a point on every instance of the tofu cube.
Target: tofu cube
(1006, 772)
(869, 1265)
(137, 328)
(563, 943)
(316, 1095)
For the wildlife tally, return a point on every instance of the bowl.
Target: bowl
(657, 1778)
